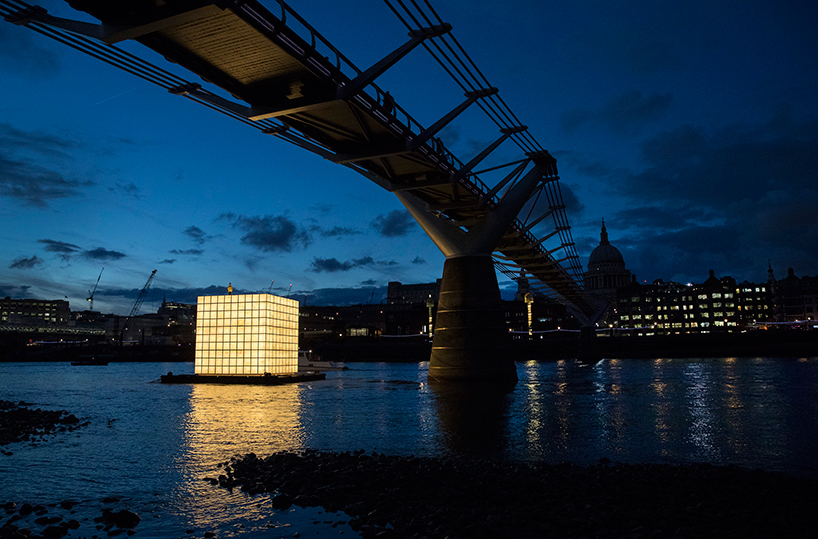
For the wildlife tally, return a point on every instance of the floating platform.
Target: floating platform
(258, 379)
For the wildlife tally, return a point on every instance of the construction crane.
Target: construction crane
(136, 305)
(91, 293)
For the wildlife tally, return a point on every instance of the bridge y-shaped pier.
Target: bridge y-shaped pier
(277, 74)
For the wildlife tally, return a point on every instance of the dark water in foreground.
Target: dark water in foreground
(153, 444)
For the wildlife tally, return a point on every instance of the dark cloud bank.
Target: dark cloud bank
(728, 199)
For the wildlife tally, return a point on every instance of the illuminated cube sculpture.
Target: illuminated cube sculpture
(247, 334)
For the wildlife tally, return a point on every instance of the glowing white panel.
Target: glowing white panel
(246, 334)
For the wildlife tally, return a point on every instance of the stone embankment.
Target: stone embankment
(389, 496)
(20, 423)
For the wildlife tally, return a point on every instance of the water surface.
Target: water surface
(153, 444)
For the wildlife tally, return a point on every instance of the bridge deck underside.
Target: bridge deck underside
(266, 66)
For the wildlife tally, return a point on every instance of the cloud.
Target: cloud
(338, 231)
(101, 253)
(26, 178)
(64, 250)
(726, 199)
(126, 189)
(343, 296)
(394, 224)
(54, 246)
(35, 185)
(626, 113)
(14, 291)
(26, 263)
(190, 252)
(197, 234)
(269, 233)
(333, 265)
(168, 261)
(418, 260)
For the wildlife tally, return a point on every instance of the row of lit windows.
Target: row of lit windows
(272, 350)
(233, 307)
(247, 345)
(277, 358)
(702, 306)
(270, 327)
(238, 356)
(246, 298)
(216, 336)
(248, 319)
(247, 369)
(677, 325)
(247, 313)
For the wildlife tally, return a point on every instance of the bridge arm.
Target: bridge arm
(417, 37)
(430, 132)
(482, 238)
(468, 167)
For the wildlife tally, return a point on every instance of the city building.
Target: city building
(716, 305)
(178, 313)
(606, 269)
(34, 312)
(397, 292)
(795, 298)
(246, 334)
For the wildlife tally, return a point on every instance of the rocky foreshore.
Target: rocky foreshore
(390, 496)
(19, 422)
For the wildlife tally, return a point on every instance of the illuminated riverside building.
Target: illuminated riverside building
(34, 312)
(716, 305)
(246, 334)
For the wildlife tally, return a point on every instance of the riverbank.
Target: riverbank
(412, 349)
(407, 497)
(566, 345)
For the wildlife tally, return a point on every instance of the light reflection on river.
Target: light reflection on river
(154, 444)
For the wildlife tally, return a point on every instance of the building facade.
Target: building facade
(34, 312)
(606, 269)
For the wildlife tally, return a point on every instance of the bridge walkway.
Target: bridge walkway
(279, 75)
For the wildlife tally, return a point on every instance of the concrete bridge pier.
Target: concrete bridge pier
(471, 341)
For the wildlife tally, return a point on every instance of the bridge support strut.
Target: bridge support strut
(471, 341)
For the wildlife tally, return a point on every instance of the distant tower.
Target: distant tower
(523, 287)
(606, 268)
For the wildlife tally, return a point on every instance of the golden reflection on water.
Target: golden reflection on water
(534, 397)
(227, 420)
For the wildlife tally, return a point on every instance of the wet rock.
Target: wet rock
(282, 502)
(121, 519)
(54, 532)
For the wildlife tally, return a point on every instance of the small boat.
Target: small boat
(100, 360)
(307, 361)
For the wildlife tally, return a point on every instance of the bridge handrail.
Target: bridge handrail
(341, 62)
(349, 69)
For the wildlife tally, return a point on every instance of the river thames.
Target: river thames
(153, 445)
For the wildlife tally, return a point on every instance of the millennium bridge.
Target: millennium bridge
(262, 64)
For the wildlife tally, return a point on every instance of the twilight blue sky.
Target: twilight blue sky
(691, 127)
